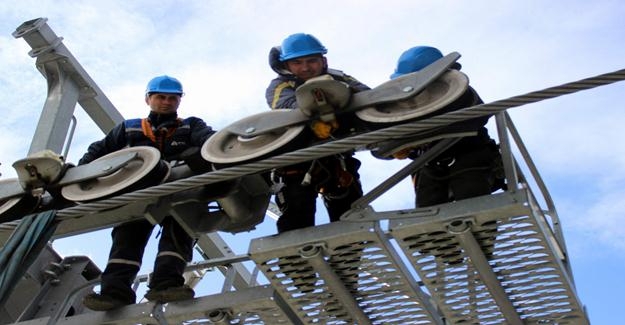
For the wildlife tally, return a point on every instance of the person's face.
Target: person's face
(307, 67)
(162, 103)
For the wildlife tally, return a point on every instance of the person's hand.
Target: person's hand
(323, 130)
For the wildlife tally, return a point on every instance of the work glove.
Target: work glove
(323, 130)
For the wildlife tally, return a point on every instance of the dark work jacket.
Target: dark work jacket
(189, 132)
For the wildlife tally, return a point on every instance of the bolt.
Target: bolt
(309, 251)
(458, 226)
(250, 129)
(407, 89)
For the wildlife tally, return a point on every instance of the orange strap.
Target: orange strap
(146, 126)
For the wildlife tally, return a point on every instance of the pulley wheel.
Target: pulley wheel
(147, 169)
(436, 95)
(226, 148)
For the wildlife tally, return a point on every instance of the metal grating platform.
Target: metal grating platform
(342, 273)
(496, 263)
(486, 260)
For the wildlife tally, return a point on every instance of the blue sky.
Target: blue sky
(218, 49)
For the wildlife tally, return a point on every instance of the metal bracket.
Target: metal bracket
(68, 84)
(95, 169)
(367, 214)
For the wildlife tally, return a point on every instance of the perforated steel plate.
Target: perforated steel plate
(520, 249)
(367, 267)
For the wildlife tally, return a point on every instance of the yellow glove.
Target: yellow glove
(323, 130)
(402, 154)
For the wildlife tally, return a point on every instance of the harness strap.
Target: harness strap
(148, 131)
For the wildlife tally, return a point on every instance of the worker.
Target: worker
(466, 169)
(172, 135)
(470, 167)
(300, 58)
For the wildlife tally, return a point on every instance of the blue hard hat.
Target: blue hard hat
(415, 59)
(164, 84)
(300, 44)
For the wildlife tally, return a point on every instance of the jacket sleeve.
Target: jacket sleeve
(354, 84)
(113, 141)
(199, 132)
(281, 94)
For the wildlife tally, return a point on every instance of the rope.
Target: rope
(22, 248)
(342, 145)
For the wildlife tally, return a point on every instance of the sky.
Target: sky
(218, 49)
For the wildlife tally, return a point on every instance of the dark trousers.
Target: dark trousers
(297, 202)
(461, 176)
(456, 177)
(129, 241)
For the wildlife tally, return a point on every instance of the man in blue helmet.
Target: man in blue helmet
(466, 169)
(164, 130)
(299, 59)
(471, 167)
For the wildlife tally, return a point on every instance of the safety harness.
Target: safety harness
(141, 132)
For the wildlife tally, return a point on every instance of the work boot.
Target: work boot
(100, 302)
(170, 294)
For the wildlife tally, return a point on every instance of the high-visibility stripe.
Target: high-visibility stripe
(170, 253)
(278, 91)
(124, 261)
